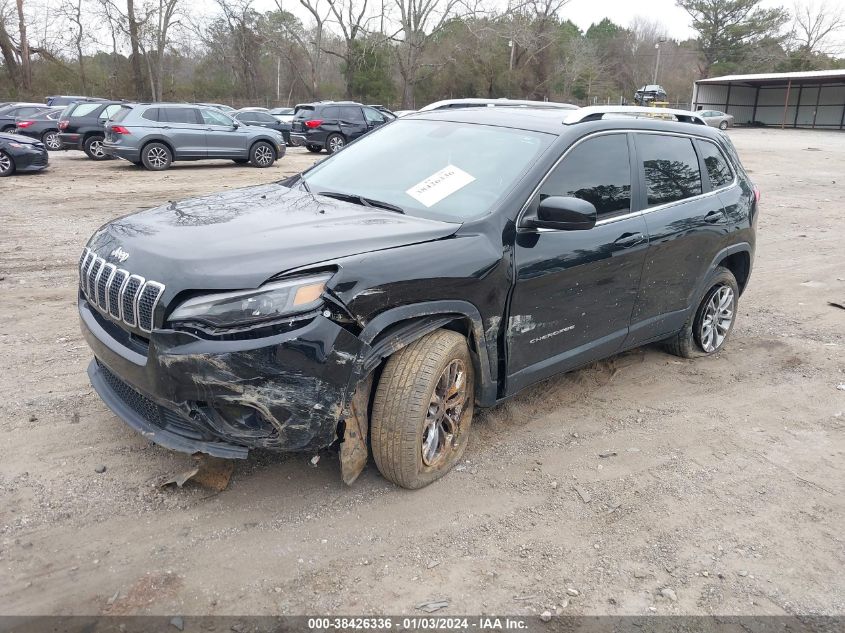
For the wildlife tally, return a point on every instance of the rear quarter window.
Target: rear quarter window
(718, 168)
(152, 114)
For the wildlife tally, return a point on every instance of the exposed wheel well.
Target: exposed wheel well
(91, 133)
(740, 265)
(263, 140)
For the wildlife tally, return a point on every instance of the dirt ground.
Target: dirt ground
(724, 490)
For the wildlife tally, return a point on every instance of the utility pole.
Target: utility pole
(279, 80)
(657, 62)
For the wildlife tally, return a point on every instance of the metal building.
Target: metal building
(812, 99)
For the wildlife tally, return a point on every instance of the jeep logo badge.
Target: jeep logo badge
(119, 254)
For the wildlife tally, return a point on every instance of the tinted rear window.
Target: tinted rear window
(121, 114)
(81, 109)
(152, 114)
(304, 112)
(717, 165)
(671, 168)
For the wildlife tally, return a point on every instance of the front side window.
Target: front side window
(598, 171)
(717, 165)
(459, 170)
(373, 116)
(213, 117)
(671, 168)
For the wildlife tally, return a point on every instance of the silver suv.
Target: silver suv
(156, 134)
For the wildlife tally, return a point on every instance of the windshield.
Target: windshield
(434, 169)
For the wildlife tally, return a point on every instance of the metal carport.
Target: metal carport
(812, 99)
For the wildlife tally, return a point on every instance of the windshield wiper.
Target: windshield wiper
(365, 202)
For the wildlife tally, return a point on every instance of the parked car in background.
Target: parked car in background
(21, 153)
(285, 115)
(330, 125)
(717, 119)
(492, 103)
(9, 113)
(649, 94)
(220, 106)
(253, 109)
(385, 111)
(82, 126)
(156, 134)
(446, 262)
(43, 126)
(265, 120)
(63, 100)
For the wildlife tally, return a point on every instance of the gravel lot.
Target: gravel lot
(726, 483)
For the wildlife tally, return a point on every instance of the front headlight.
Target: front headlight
(271, 301)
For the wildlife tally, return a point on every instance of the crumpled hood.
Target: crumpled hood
(240, 238)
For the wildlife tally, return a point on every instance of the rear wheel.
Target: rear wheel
(262, 154)
(706, 331)
(51, 140)
(316, 149)
(7, 165)
(335, 143)
(156, 157)
(422, 410)
(93, 147)
(723, 125)
(8, 129)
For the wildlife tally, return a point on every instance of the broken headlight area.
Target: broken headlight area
(271, 303)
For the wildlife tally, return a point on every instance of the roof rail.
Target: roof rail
(594, 113)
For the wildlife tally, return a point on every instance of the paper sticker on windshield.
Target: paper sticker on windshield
(440, 185)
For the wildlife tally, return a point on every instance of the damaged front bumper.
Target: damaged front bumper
(286, 392)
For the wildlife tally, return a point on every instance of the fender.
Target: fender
(396, 328)
(742, 247)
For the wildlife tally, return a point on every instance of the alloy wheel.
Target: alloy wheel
(97, 149)
(52, 141)
(336, 143)
(717, 319)
(263, 155)
(157, 157)
(5, 163)
(443, 420)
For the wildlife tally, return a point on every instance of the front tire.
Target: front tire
(262, 155)
(335, 143)
(422, 410)
(706, 331)
(156, 157)
(723, 125)
(51, 140)
(93, 147)
(7, 165)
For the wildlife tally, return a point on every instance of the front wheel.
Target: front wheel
(51, 140)
(156, 157)
(335, 143)
(422, 410)
(7, 165)
(706, 331)
(93, 147)
(262, 155)
(723, 125)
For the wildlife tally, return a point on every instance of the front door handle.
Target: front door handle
(715, 217)
(627, 240)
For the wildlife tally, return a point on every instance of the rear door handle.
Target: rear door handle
(715, 217)
(627, 240)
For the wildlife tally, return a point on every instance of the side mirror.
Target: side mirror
(235, 124)
(564, 213)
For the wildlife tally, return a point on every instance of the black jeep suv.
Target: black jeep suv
(373, 301)
(330, 125)
(82, 126)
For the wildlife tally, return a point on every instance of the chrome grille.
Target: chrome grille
(117, 293)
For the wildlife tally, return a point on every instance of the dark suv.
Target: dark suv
(378, 297)
(82, 126)
(330, 125)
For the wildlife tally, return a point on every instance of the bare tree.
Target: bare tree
(311, 41)
(419, 22)
(351, 17)
(815, 25)
(72, 11)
